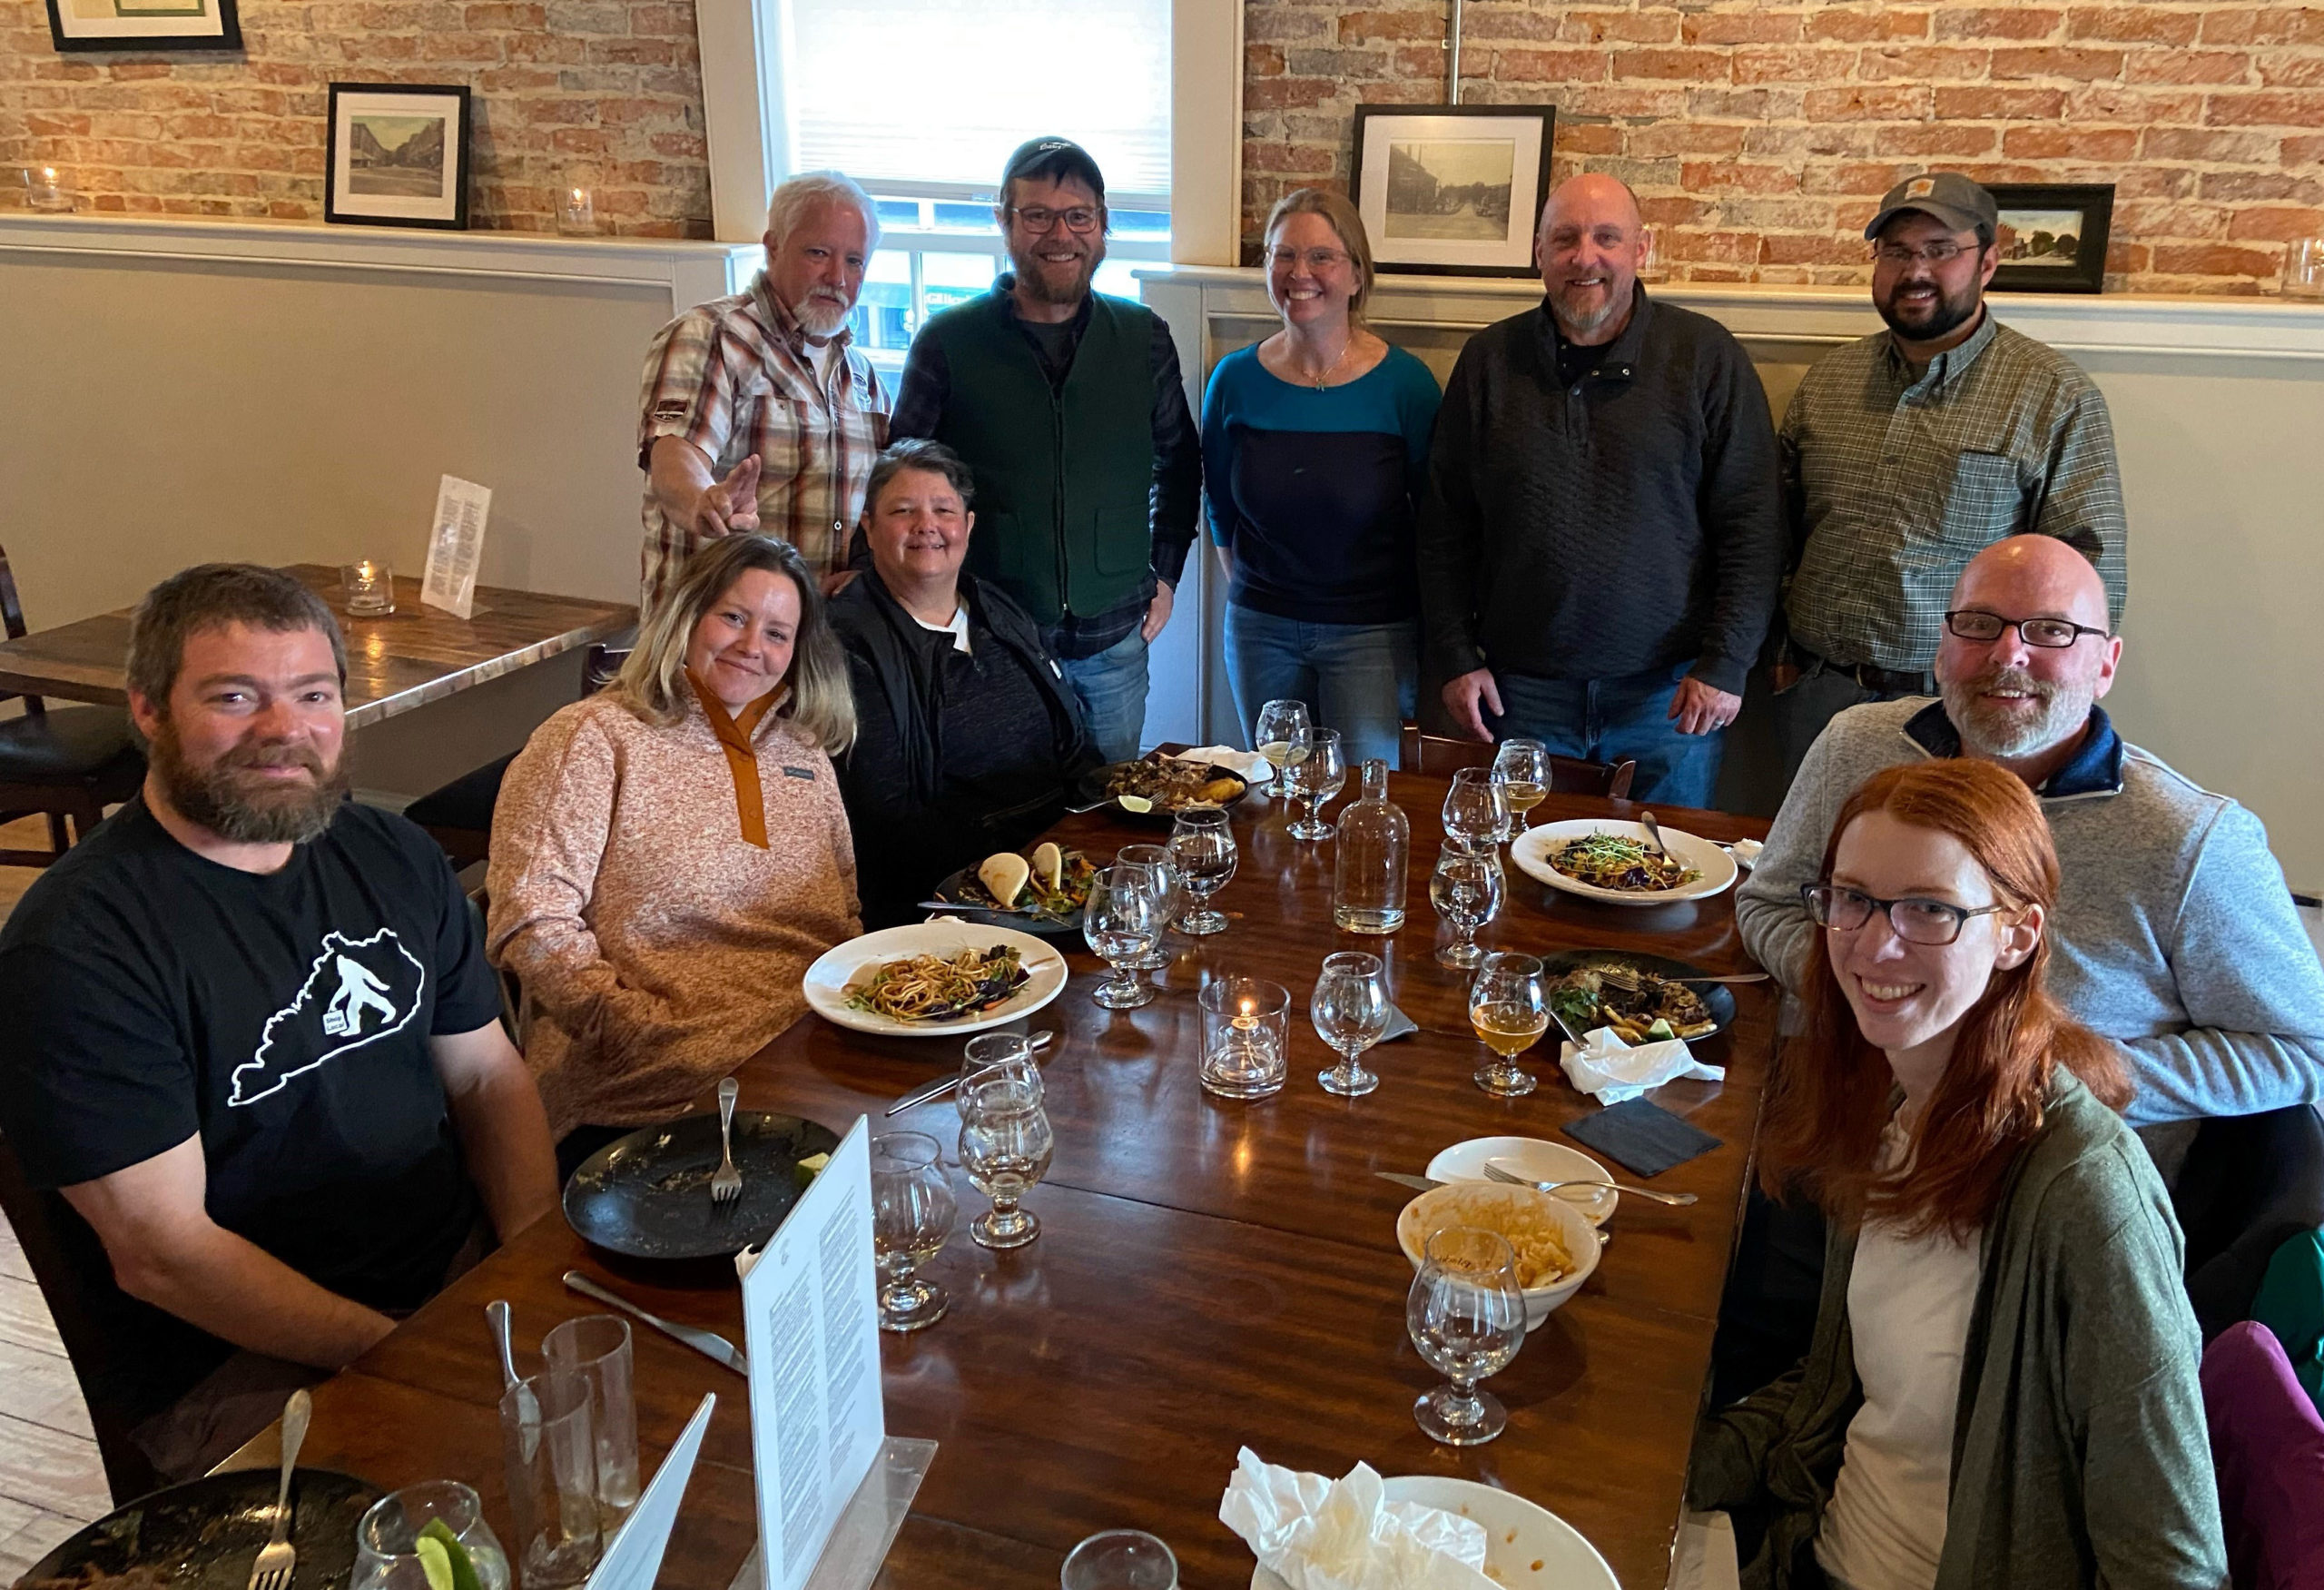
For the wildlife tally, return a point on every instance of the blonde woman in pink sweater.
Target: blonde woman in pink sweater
(669, 856)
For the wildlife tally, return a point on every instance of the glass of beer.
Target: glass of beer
(1509, 1005)
(1521, 768)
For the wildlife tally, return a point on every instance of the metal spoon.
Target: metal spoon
(1653, 832)
(498, 1315)
(1676, 1199)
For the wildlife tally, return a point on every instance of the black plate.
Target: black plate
(1034, 922)
(1093, 788)
(1716, 995)
(648, 1194)
(205, 1534)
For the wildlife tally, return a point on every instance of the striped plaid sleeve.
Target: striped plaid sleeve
(685, 387)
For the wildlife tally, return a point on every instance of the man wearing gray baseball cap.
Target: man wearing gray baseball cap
(1904, 453)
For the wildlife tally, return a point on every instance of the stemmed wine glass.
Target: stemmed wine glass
(1466, 890)
(1276, 733)
(1201, 841)
(1168, 883)
(913, 1211)
(1318, 772)
(1521, 767)
(1509, 1005)
(1350, 1010)
(1004, 1147)
(1123, 922)
(987, 1049)
(1467, 1317)
(1476, 810)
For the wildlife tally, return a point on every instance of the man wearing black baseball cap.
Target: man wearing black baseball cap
(1068, 409)
(1906, 452)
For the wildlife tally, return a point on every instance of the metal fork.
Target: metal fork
(278, 1556)
(727, 1185)
(1675, 1199)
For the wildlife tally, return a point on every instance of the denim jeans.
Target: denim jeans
(1609, 720)
(1111, 688)
(1357, 679)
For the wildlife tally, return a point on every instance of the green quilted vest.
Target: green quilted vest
(1062, 477)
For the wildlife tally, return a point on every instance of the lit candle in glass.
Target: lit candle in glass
(47, 190)
(577, 211)
(369, 586)
(1245, 1031)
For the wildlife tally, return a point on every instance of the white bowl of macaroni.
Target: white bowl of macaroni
(1555, 1244)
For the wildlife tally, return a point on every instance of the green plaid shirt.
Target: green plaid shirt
(1893, 483)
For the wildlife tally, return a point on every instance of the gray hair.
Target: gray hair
(917, 452)
(212, 596)
(653, 684)
(799, 194)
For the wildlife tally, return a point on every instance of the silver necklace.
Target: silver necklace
(1334, 364)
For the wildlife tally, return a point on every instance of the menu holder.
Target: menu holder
(833, 1487)
(455, 545)
(633, 1558)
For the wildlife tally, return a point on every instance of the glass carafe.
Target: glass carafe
(1368, 871)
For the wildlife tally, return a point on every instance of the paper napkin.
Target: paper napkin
(1610, 1070)
(1248, 766)
(1318, 1534)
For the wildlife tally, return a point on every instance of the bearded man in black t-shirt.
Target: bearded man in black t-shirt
(251, 1039)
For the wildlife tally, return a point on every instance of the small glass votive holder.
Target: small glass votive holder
(1120, 1559)
(576, 209)
(1245, 1037)
(2304, 268)
(44, 189)
(550, 1452)
(387, 1551)
(596, 1347)
(370, 587)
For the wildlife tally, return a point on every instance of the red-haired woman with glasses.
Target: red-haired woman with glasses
(2002, 1392)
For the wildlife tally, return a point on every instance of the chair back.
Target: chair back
(2268, 1451)
(601, 668)
(2249, 1184)
(1442, 757)
(12, 620)
(39, 1222)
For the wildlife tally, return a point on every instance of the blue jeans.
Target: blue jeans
(1111, 688)
(1357, 679)
(1609, 720)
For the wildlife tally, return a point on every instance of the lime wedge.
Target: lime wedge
(435, 1562)
(1135, 802)
(458, 1573)
(812, 1167)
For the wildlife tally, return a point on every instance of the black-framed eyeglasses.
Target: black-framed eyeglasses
(2054, 633)
(1916, 922)
(1943, 252)
(1317, 259)
(1041, 218)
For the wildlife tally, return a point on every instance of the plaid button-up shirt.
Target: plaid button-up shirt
(1892, 483)
(736, 376)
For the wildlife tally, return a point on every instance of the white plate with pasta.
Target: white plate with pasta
(1586, 855)
(934, 979)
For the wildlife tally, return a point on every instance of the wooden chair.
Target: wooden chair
(65, 764)
(1442, 757)
(459, 816)
(61, 1251)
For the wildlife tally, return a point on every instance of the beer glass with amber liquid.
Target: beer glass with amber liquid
(1509, 1005)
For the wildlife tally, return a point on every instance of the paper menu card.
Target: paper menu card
(811, 1327)
(633, 1558)
(455, 545)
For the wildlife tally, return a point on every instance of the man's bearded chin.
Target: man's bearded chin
(822, 317)
(1986, 730)
(235, 804)
(1034, 279)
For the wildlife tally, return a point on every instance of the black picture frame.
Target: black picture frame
(2084, 270)
(215, 25)
(1409, 239)
(366, 197)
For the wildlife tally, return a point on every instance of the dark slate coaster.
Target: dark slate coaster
(1643, 1137)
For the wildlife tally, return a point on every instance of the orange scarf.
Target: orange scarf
(735, 738)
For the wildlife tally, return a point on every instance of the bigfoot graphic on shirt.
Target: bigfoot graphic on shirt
(357, 990)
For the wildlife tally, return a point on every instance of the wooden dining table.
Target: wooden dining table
(1210, 1274)
(395, 662)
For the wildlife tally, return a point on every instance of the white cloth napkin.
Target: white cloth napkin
(1611, 1071)
(1248, 766)
(1318, 1534)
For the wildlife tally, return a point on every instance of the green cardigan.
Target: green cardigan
(2080, 1455)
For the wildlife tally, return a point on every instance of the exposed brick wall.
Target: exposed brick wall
(1761, 135)
(611, 86)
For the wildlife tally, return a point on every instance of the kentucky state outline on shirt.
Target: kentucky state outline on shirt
(358, 992)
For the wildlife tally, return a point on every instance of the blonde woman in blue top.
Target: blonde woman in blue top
(1315, 450)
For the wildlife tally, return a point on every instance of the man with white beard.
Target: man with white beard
(2175, 935)
(758, 412)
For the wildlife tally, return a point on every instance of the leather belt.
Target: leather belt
(1889, 681)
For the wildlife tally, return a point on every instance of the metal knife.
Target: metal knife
(1417, 1183)
(946, 1084)
(708, 1343)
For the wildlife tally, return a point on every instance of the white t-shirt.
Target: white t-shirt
(958, 628)
(1908, 1315)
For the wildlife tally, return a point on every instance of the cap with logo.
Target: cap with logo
(1058, 159)
(1951, 197)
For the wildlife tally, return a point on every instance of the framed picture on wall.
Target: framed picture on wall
(1453, 189)
(2053, 236)
(144, 25)
(399, 155)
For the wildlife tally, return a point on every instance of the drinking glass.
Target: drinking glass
(1004, 1147)
(550, 1451)
(1521, 767)
(1201, 841)
(2304, 268)
(369, 587)
(1171, 886)
(597, 1346)
(1476, 809)
(1509, 1005)
(913, 1211)
(1120, 1559)
(987, 1049)
(1318, 773)
(387, 1556)
(1245, 1037)
(1276, 733)
(1466, 890)
(1467, 1318)
(1350, 1010)
(1123, 922)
